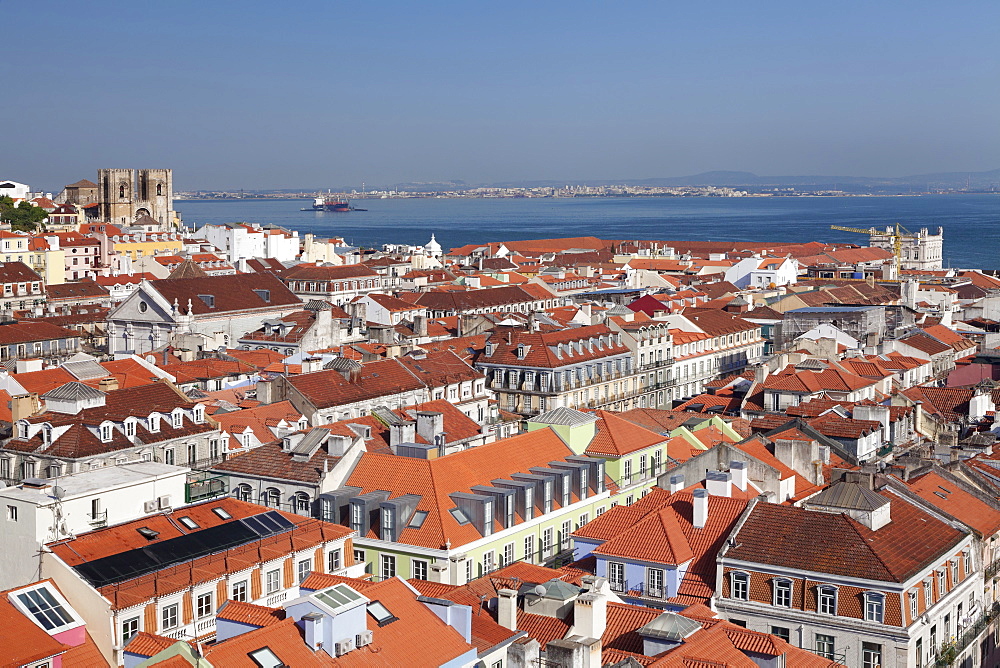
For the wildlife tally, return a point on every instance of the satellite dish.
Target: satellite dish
(58, 492)
(539, 590)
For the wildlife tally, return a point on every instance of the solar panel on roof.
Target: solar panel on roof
(150, 558)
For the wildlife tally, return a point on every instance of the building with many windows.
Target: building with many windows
(456, 517)
(852, 577)
(533, 372)
(169, 572)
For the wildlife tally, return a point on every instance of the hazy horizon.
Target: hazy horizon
(255, 96)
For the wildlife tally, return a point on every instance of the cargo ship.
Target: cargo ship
(332, 204)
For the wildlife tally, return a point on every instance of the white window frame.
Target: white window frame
(273, 583)
(739, 586)
(203, 609)
(387, 566)
(826, 594)
(420, 569)
(170, 613)
(874, 607)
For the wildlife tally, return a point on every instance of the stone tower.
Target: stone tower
(126, 195)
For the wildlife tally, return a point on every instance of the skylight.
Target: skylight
(147, 533)
(417, 520)
(338, 596)
(221, 512)
(459, 515)
(188, 522)
(46, 607)
(381, 613)
(265, 658)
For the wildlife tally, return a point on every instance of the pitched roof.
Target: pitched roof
(435, 480)
(836, 544)
(235, 292)
(617, 436)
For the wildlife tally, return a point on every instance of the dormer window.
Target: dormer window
(782, 592)
(826, 600)
(199, 414)
(154, 423)
(739, 586)
(177, 419)
(874, 607)
(130, 428)
(22, 429)
(106, 433)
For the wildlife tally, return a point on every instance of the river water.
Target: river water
(971, 222)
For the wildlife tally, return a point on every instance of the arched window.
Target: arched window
(243, 492)
(272, 497)
(302, 502)
(159, 189)
(121, 190)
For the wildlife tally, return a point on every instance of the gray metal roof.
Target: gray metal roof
(312, 440)
(559, 590)
(342, 364)
(85, 369)
(564, 416)
(74, 391)
(387, 416)
(670, 626)
(848, 495)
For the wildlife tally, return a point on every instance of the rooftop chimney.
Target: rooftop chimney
(738, 471)
(719, 483)
(700, 508)
(676, 483)
(507, 608)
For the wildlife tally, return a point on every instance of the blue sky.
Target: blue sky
(324, 94)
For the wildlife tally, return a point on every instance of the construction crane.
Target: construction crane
(896, 238)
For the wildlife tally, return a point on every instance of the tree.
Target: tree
(25, 216)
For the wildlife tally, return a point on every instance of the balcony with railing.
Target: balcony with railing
(99, 519)
(950, 650)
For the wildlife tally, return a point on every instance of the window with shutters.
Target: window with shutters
(204, 605)
(273, 581)
(129, 628)
(239, 591)
(333, 561)
(168, 617)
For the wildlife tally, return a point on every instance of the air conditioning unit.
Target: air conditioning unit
(163, 501)
(344, 646)
(363, 638)
(149, 507)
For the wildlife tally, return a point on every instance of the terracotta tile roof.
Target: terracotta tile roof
(249, 613)
(926, 344)
(947, 403)
(434, 480)
(285, 639)
(148, 644)
(259, 419)
(699, 580)
(658, 538)
(311, 272)
(206, 369)
(838, 545)
(810, 382)
(234, 292)
(953, 499)
(616, 436)
(29, 332)
(24, 641)
(270, 461)
(81, 438)
(554, 349)
(383, 377)
(467, 300)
